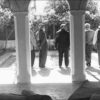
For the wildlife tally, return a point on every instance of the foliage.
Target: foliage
(57, 10)
(95, 22)
(61, 7)
(4, 18)
(6, 23)
(92, 14)
(92, 7)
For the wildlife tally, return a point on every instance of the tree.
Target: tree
(57, 8)
(6, 24)
(92, 7)
(91, 15)
(57, 13)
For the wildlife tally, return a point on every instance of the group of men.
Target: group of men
(62, 44)
(38, 40)
(92, 39)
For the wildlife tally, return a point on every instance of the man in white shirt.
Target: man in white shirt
(43, 46)
(89, 34)
(96, 40)
(33, 46)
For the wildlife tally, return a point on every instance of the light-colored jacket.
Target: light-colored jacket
(89, 34)
(33, 40)
(95, 37)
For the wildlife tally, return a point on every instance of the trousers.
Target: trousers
(32, 57)
(43, 56)
(65, 53)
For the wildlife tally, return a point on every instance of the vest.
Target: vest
(98, 37)
(98, 40)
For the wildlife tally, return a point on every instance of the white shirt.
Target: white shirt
(32, 40)
(89, 36)
(95, 37)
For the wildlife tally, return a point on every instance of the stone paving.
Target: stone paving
(49, 77)
(52, 81)
(51, 74)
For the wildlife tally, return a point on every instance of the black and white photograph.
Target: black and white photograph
(49, 49)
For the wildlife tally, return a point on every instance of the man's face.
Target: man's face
(65, 27)
(87, 28)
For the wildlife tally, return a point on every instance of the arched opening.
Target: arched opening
(52, 24)
(92, 16)
(52, 57)
(7, 47)
(51, 15)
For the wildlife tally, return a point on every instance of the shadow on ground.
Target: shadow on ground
(93, 72)
(44, 72)
(65, 71)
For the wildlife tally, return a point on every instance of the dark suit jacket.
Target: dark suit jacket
(62, 40)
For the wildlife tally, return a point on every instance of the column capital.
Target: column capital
(77, 4)
(77, 12)
(20, 13)
(17, 5)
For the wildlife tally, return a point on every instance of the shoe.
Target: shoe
(88, 64)
(60, 67)
(67, 67)
(42, 67)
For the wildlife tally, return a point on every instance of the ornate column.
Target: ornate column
(77, 38)
(20, 9)
(22, 47)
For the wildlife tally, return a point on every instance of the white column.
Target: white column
(77, 38)
(22, 47)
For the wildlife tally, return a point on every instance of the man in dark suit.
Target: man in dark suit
(33, 46)
(62, 43)
(43, 47)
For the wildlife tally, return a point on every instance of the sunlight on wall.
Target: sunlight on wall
(40, 5)
(98, 5)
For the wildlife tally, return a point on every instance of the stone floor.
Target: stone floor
(51, 80)
(60, 91)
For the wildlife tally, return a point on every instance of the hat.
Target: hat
(99, 26)
(62, 25)
(41, 25)
(87, 25)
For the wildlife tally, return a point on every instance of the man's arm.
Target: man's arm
(95, 37)
(56, 41)
(44, 39)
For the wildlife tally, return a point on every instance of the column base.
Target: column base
(25, 80)
(78, 78)
(24, 86)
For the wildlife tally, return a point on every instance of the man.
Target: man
(62, 43)
(43, 46)
(89, 34)
(33, 46)
(96, 41)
